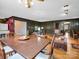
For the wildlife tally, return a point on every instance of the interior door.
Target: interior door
(20, 27)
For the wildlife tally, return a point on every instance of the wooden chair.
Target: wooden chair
(47, 52)
(74, 34)
(3, 55)
(8, 50)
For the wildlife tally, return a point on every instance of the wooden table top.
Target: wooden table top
(28, 48)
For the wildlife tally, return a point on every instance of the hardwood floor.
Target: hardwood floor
(72, 53)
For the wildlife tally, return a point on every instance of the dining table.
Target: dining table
(28, 48)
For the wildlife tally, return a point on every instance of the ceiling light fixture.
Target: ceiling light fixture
(66, 10)
(29, 3)
(66, 7)
(41, 0)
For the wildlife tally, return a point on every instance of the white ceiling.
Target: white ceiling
(39, 11)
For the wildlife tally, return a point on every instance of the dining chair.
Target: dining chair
(3, 55)
(42, 56)
(47, 52)
(8, 50)
(75, 35)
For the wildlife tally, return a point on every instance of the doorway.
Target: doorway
(20, 27)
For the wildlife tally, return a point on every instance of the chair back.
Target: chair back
(53, 39)
(52, 43)
(2, 53)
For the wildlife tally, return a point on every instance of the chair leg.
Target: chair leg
(51, 56)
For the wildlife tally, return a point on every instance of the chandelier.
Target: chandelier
(29, 3)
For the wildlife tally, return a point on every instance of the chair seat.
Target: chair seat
(16, 56)
(47, 49)
(42, 56)
(7, 49)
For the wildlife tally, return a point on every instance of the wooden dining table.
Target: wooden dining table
(27, 48)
